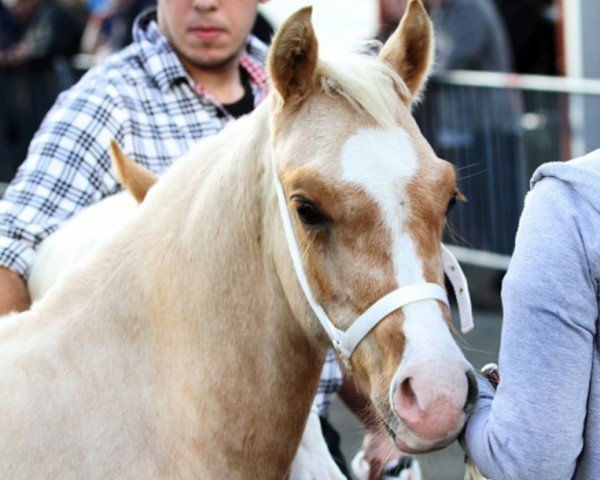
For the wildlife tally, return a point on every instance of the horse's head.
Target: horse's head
(367, 198)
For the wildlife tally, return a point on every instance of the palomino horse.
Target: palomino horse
(190, 344)
(77, 238)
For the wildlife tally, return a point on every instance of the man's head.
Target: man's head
(207, 34)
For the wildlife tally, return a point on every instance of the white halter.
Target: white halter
(346, 342)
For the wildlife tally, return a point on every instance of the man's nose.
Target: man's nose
(205, 5)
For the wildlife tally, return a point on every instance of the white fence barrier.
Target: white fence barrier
(497, 128)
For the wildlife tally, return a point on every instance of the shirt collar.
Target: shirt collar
(162, 64)
(157, 56)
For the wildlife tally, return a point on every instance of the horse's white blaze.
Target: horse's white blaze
(370, 158)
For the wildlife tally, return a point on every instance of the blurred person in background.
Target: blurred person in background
(42, 31)
(469, 34)
(9, 29)
(37, 37)
(531, 31)
(110, 24)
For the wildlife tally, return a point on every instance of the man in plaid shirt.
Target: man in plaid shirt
(183, 78)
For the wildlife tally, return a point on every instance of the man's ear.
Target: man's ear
(409, 50)
(293, 57)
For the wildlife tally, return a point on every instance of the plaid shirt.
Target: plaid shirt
(331, 380)
(143, 97)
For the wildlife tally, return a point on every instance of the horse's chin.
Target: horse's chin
(421, 449)
(408, 442)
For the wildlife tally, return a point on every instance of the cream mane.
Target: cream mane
(366, 82)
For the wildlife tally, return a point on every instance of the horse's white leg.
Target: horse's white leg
(380, 445)
(313, 460)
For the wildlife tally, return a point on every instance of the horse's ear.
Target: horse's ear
(293, 56)
(410, 48)
(136, 178)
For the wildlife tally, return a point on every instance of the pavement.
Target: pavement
(480, 346)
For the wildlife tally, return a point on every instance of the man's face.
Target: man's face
(207, 34)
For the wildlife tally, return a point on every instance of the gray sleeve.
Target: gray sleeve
(533, 427)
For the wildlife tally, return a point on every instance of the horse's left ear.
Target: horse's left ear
(409, 50)
(293, 56)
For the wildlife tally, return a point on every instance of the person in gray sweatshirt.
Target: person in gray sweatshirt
(543, 421)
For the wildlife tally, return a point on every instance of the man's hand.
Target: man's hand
(379, 450)
(378, 447)
(13, 292)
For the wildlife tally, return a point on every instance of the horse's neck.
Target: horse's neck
(198, 273)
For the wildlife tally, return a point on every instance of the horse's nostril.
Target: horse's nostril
(472, 392)
(407, 392)
(406, 402)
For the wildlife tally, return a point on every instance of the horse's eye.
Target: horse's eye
(308, 213)
(451, 204)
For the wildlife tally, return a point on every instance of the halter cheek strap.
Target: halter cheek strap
(461, 289)
(346, 342)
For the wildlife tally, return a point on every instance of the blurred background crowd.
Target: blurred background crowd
(35, 31)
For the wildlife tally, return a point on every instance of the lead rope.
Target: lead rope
(472, 472)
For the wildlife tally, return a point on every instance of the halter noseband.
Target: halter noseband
(346, 342)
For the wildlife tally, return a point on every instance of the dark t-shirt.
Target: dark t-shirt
(245, 104)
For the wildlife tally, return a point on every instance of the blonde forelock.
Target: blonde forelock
(369, 85)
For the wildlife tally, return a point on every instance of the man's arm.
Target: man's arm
(13, 292)
(66, 169)
(534, 426)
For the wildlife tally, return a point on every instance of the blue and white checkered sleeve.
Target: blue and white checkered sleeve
(67, 167)
(331, 380)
